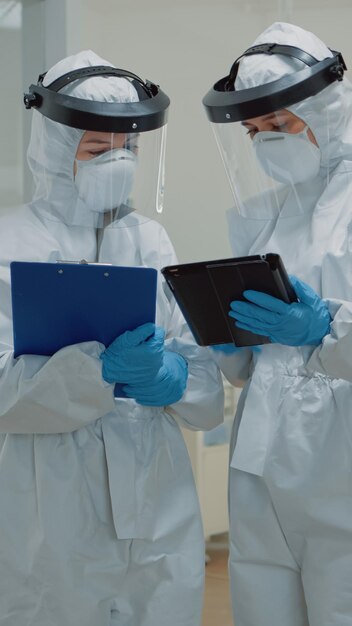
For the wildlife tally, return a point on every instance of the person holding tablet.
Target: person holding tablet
(283, 120)
(99, 519)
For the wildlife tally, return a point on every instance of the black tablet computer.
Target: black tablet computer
(204, 291)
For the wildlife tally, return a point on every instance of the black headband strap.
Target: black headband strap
(225, 104)
(91, 71)
(148, 113)
(270, 48)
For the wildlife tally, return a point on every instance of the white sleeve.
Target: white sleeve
(53, 394)
(235, 367)
(48, 395)
(202, 405)
(334, 355)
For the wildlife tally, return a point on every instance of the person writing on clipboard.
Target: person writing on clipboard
(99, 520)
(283, 120)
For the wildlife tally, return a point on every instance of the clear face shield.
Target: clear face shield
(270, 160)
(112, 171)
(272, 136)
(117, 174)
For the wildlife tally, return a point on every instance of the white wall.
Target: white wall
(34, 34)
(10, 105)
(185, 46)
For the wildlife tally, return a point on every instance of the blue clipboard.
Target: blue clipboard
(59, 304)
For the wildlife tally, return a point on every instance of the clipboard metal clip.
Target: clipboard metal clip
(81, 262)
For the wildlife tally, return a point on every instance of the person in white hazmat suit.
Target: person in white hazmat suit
(99, 519)
(283, 121)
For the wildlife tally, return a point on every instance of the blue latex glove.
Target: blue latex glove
(166, 387)
(226, 348)
(136, 356)
(301, 323)
(230, 348)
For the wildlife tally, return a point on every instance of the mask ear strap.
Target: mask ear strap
(269, 48)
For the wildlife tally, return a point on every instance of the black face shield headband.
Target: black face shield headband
(223, 104)
(149, 113)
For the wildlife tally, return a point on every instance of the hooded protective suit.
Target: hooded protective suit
(99, 517)
(291, 467)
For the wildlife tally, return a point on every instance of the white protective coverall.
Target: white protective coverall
(99, 518)
(291, 467)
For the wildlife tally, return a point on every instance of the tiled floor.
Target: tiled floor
(217, 609)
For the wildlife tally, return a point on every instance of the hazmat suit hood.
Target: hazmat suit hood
(275, 190)
(328, 114)
(127, 175)
(52, 147)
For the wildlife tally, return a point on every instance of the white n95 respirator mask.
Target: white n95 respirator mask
(105, 182)
(286, 157)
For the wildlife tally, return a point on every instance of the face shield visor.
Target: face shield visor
(98, 160)
(266, 139)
